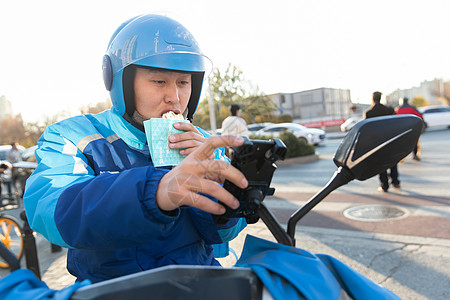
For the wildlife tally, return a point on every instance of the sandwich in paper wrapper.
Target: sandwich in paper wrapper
(158, 131)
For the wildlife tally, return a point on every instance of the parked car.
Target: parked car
(349, 123)
(21, 169)
(253, 128)
(311, 136)
(436, 115)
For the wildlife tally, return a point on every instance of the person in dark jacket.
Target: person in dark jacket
(406, 108)
(376, 110)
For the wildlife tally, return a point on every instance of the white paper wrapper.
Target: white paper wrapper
(158, 131)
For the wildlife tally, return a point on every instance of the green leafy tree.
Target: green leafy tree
(419, 101)
(266, 117)
(230, 87)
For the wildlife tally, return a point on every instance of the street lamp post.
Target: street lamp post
(212, 114)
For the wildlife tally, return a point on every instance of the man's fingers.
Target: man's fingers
(207, 149)
(186, 136)
(186, 145)
(185, 184)
(204, 203)
(187, 190)
(215, 190)
(196, 199)
(185, 126)
(219, 168)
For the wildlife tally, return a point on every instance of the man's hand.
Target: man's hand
(196, 174)
(187, 141)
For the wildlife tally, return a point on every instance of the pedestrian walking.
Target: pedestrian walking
(376, 110)
(13, 154)
(234, 124)
(406, 108)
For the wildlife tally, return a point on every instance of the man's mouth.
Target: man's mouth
(175, 111)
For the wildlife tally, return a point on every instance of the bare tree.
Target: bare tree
(11, 129)
(97, 107)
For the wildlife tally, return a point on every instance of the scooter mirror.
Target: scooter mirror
(371, 146)
(375, 144)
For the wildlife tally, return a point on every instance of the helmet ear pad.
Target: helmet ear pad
(107, 72)
(128, 89)
(197, 82)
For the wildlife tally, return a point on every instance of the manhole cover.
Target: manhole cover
(375, 213)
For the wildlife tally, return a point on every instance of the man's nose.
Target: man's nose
(172, 93)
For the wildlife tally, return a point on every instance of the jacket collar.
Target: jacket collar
(127, 132)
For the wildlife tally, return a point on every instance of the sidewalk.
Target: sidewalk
(412, 267)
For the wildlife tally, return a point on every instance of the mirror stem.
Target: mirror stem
(341, 177)
(275, 228)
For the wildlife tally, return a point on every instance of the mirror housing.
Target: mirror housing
(376, 144)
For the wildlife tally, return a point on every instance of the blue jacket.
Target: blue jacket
(94, 192)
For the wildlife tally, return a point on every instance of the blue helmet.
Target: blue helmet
(152, 41)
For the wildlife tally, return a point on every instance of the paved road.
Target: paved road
(409, 255)
(424, 197)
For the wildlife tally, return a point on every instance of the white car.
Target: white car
(436, 115)
(349, 123)
(253, 128)
(311, 136)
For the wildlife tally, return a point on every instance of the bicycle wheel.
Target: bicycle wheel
(11, 237)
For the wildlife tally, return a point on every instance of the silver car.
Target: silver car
(253, 128)
(311, 136)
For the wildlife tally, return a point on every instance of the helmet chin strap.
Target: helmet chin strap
(185, 113)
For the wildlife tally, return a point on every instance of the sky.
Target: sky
(51, 51)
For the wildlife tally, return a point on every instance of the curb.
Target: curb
(336, 135)
(297, 160)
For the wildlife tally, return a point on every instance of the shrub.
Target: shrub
(265, 118)
(295, 147)
(284, 118)
(260, 137)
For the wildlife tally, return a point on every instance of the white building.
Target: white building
(429, 90)
(314, 105)
(5, 108)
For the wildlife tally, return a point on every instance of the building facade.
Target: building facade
(314, 105)
(429, 90)
(5, 108)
